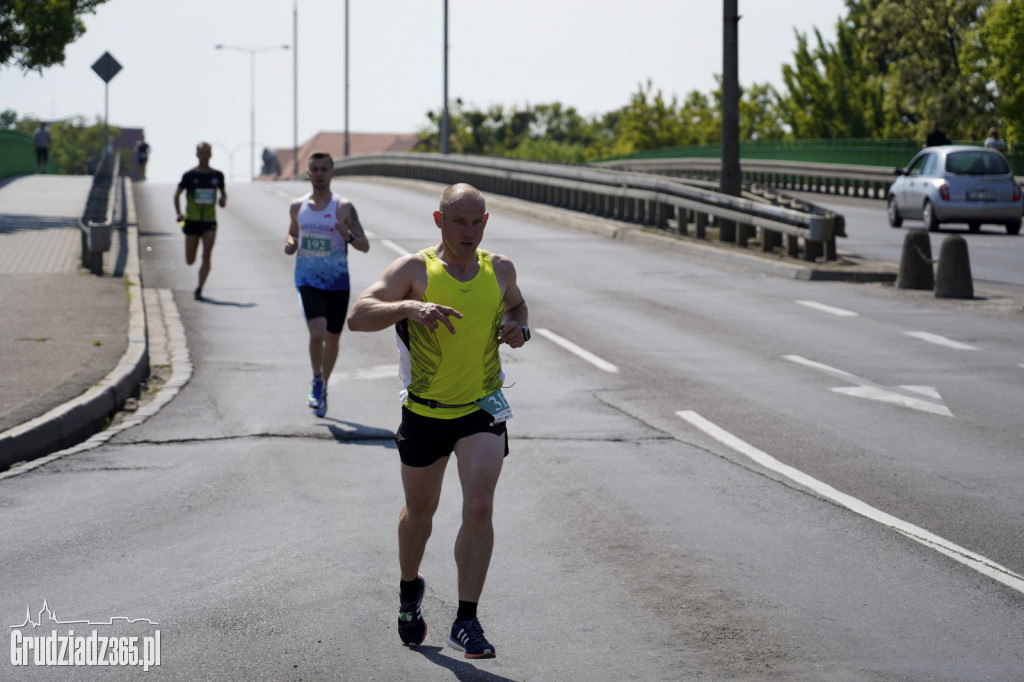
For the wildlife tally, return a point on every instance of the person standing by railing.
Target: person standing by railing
(42, 140)
(142, 156)
(935, 136)
(993, 141)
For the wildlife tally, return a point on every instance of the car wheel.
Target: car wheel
(895, 219)
(974, 227)
(928, 216)
(1013, 228)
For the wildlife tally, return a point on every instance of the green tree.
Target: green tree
(701, 117)
(760, 114)
(831, 91)
(648, 122)
(34, 33)
(74, 142)
(918, 48)
(998, 54)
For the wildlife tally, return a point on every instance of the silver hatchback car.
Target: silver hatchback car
(957, 184)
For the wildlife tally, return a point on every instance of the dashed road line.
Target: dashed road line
(940, 340)
(596, 361)
(832, 310)
(388, 244)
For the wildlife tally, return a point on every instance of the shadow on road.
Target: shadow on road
(462, 670)
(359, 434)
(214, 301)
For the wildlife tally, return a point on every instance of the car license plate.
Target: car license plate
(983, 195)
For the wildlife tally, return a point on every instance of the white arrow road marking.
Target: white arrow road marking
(940, 340)
(930, 400)
(581, 352)
(839, 312)
(966, 557)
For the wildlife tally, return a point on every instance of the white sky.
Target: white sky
(590, 54)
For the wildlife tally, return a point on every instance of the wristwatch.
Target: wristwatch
(526, 333)
(351, 237)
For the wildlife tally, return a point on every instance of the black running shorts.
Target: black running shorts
(196, 228)
(323, 303)
(424, 440)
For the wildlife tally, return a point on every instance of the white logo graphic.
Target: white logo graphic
(91, 649)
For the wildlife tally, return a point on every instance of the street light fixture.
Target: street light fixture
(252, 97)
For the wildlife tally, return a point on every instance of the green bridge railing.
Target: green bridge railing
(18, 154)
(844, 152)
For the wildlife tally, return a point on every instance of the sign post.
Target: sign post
(106, 67)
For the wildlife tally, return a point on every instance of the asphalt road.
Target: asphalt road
(715, 475)
(996, 258)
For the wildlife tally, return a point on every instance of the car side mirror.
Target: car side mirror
(899, 171)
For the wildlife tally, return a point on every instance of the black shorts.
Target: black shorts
(196, 228)
(424, 440)
(323, 303)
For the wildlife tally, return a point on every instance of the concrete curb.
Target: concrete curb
(77, 419)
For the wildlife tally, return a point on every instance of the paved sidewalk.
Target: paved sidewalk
(71, 343)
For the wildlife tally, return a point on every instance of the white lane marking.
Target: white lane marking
(968, 558)
(941, 340)
(585, 354)
(839, 312)
(930, 400)
(387, 243)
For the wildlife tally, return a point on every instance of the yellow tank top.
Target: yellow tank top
(459, 368)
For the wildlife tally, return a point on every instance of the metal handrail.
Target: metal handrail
(96, 234)
(628, 196)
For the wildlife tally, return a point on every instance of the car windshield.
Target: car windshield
(976, 163)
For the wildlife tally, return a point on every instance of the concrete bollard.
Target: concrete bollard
(916, 262)
(953, 279)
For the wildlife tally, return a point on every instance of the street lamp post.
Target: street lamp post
(444, 109)
(252, 96)
(231, 155)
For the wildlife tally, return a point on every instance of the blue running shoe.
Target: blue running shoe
(411, 626)
(468, 636)
(321, 409)
(316, 393)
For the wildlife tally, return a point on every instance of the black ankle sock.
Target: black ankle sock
(408, 589)
(467, 609)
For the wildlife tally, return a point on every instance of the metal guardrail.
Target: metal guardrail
(98, 218)
(632, 197)
(871, 182)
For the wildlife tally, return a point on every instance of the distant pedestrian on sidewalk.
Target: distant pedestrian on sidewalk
(322, 226)
(199, 221)
(42, 140)
(452, 305)
(993, 141)
(142, 156)
(935, 137)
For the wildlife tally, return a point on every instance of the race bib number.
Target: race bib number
(496, 405)
(205, 196)
(318, 247)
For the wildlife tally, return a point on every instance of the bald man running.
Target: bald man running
(452, 305)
